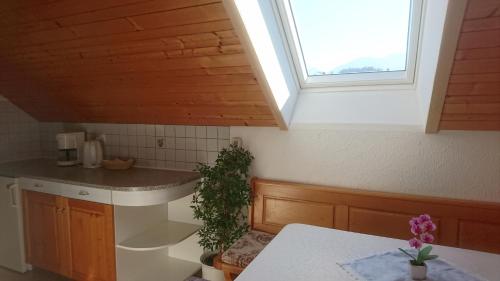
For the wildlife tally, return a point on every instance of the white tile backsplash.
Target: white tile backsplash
(201, 131)
(180, 143)
(211, 144)
(162, 146)
(169, 130)
(201, 144)
(150, 130)
(190, 131)
(180, 131)
(190, 143)
(132, 129)
(160, 130)
(211, 132)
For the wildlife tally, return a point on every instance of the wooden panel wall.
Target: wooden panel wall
(127, 61)
(473, 96)
(465, 224)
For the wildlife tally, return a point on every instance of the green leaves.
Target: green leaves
(220, 198)
(406, 253)
(422, 256)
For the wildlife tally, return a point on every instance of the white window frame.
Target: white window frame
(382, 79)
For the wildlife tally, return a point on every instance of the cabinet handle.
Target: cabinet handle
(38, 185)
(83, 193)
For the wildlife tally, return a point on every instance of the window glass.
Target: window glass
(352, 36)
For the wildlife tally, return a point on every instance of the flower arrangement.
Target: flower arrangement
(421, 227)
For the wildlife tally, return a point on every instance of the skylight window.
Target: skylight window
(355, 42)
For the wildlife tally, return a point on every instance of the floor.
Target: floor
(35, 275)
(41, 275)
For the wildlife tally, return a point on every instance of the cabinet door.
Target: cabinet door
(92, 240)
(42, 236)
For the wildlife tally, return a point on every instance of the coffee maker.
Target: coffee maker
(70, 148)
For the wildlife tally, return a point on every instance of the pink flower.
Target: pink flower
(417, 229)
(423, 218)
(428, 226)
(415, 243)
(414, 221)
(427, 238)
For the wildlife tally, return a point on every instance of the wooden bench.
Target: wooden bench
(461, 223)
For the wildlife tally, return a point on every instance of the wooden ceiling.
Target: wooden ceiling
(473, 96)
(128, 61)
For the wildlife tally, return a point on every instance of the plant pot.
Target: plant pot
(209, 272)
(418, 272)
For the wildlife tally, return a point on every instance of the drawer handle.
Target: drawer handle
(38, 185)
(83, 193)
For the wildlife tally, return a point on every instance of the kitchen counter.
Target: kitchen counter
(134, 179)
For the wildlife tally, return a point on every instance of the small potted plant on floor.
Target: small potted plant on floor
(219, 202)
(421, 227)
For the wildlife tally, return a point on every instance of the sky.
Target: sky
(333, 33)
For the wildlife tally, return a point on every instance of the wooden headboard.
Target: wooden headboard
(461, 223)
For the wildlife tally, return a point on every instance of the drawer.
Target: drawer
(40, 186)
(86, 193)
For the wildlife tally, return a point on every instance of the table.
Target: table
(305, 252)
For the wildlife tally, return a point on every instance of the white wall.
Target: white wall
(449, 164)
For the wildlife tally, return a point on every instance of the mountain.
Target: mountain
(369, 64)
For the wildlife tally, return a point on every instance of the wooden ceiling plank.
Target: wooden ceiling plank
(477, 66)
(481, 24)
(174, 73)
(471, 117)
(473, 99)
(162, 80)
(57, 9)
(197, 14)
(486, 108)
(471, 78)
(17, 30)
(479, 39)
(480, 53)
(471, 125)
(114, 26)
(196, 110)
(132, 9)
(164, 32)
(482, 8)
(152, 65)
(474, 89)
(12, 5)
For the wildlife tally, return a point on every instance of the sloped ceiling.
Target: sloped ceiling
(473, 97)
(127, 61)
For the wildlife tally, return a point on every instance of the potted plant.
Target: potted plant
(219, 202)
(421, 227)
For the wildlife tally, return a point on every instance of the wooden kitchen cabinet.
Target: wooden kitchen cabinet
(45, 235)
(92, 240)
(71, 237)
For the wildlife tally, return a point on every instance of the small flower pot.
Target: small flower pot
(209, 272)
(418, 272)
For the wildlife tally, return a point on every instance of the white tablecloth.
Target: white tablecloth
(304, 252)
